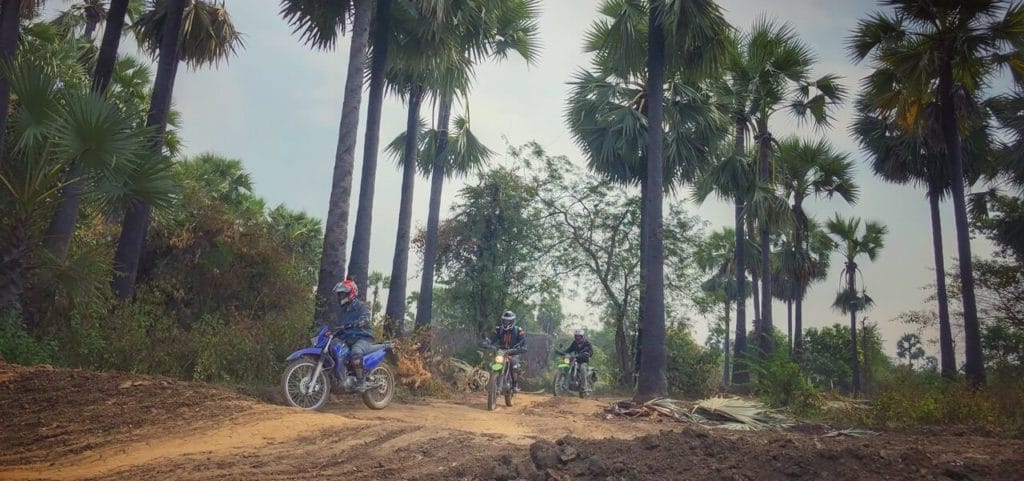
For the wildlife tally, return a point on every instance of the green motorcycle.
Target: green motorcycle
(570, 376)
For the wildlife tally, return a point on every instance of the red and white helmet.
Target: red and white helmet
(346, 290)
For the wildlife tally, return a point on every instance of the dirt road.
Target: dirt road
(63, 425)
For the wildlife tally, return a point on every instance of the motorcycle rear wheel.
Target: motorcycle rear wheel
(509, 391)
(379, 396)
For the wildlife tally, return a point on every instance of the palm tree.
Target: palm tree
(772, 73)
(909, 348)
(10, 25)
(635, 129)
(54, 123)
(359, 263)
(61, 228)
(420, 64)
(854, 241)
(809, 169)
(955, 49)
(899, 127)
(205, 36)
(716, 256)
(483, 28)
(374, 280)
(319, 24)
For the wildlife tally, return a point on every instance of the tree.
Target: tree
(10, 25)
(953, 48)
(809, 169)
(62, 226)
(640, 138)
(485, 28)
(205, 36)
(319, 26)
(716, 257)
(359, 263)
(909, 348)
(853, 242)
(772, 73)
(491, 251)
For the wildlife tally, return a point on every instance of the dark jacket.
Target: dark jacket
(584, 351)
(353, 322)
(514, 338)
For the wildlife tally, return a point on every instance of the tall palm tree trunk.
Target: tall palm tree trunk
(764, 327)
(359, 264)
(799, 285)
(652, 382)
(946, 351)
(332, 261)
(62, 226)
(975, 358)
(740, 375)
(425, 303)
(642, 288)
(394, 314)
(725, 350)
(789, 322)
(851, 283)
(136, 219)
(798, 324)
(10, 22)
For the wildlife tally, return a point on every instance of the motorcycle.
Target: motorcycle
(315, 371)
(500, 379)
(569, 378)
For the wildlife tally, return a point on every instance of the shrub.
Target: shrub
(691, 371)
(17, 346)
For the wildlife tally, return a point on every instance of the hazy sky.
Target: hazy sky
(277, 106)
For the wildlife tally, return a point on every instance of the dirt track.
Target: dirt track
(59, 424)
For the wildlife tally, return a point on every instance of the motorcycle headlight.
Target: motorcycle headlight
(566, 361)
(499, 358)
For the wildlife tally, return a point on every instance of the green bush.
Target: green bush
(18, 347)
(691, 372)
(781, 382)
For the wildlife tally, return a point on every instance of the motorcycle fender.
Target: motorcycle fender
(563, 366)
(497, 367)
(372, 359)
(309, 351)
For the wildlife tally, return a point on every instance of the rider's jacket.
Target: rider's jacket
(582, 350)
(353, 322)
(509, 338)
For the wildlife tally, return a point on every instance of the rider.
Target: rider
(507, 335)
(353, 328)
(583, 350)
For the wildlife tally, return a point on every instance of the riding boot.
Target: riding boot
(357, 371)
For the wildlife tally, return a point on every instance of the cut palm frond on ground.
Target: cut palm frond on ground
(727, 413)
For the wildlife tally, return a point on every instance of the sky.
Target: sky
(276, 107)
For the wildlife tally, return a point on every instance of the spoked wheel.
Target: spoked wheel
(300, 389)
(558, 388)
(492, 392)
(380, 388)
(509, 388)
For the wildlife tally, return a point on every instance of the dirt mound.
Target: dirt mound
(71, 411)
(700, 453)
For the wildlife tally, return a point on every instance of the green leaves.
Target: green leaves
(207, 35)
(317, 22)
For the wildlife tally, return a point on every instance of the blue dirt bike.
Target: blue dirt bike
(314, 371)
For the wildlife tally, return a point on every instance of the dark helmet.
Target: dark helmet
(508, 320)
(346, 291)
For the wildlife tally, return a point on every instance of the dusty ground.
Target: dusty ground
(60, 424)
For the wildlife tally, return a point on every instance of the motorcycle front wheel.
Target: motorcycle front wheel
(380, 388)
(299, 387)
(509, 389)
(492, 392)
(558, 388)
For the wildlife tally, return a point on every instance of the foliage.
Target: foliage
(909, 348)
(19, 347)
(490, 252)
(691, 371)
(780, 381)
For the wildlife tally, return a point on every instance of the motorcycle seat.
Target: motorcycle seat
(375, 347)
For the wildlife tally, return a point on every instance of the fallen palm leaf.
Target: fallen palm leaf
(856, 433)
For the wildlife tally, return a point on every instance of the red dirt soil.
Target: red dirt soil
(69, 424)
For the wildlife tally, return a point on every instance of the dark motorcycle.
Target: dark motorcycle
(569, 377)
